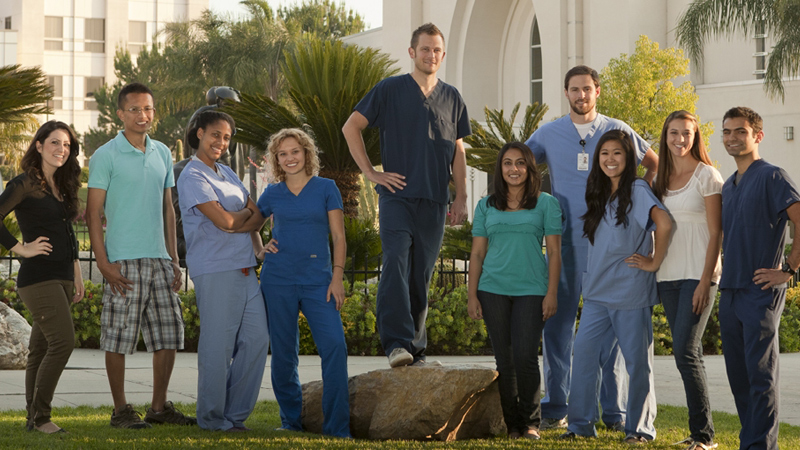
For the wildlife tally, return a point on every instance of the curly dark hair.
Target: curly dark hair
(67, 178)
(533, 183)
(598, 186)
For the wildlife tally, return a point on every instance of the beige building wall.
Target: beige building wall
(488, 57)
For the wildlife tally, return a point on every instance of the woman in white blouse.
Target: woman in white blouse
(690, 188)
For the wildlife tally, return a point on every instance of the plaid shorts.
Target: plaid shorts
(151, 306)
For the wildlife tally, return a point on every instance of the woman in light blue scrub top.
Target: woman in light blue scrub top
(619, 287)
(221, 225)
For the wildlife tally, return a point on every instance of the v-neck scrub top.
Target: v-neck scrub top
(608, 279)
(417, 133)
(209, 249)
(752, 211)
(301, 228)
(557, 143)
(514, 262)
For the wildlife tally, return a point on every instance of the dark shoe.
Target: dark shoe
(514, 435)
(128, 418)
(616, 426)
(635, 439)
(550, 423)
(400, 357)
(568, 435)
(169, 415)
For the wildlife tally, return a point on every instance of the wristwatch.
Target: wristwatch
(786, 268)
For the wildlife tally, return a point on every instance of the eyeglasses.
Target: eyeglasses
(136, 110)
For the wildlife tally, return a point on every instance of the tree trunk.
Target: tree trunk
(348, 185)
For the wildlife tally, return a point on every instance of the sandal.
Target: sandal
(532, 434)
(635, 439)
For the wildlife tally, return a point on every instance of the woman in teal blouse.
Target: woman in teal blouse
(511, 286)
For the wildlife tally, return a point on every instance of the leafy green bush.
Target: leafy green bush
(84, 175)
(457, 242)
(363, 247)
(191, 320)
(450, 329)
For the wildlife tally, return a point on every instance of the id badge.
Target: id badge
(583, 161)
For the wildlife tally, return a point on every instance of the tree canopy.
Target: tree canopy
(779, 19)
(24, 93)
(639, 90)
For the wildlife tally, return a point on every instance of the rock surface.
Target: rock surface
(423, 403)
(15, 334)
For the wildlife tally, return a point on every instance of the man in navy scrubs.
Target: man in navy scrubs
(757, 201)
(422, 121)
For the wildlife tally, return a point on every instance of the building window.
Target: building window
(137, 36)
(57, 83)
(536, 64)
(8, 23)
(95, 35)
(761, 52)
(53, 33)
(90, 85)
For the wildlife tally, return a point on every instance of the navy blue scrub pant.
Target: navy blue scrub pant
(411, 235)
(749, 320)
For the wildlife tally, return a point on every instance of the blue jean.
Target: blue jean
(411, 233)
(558, 338)
(749, 320)
(633, 330)
(232, 352)
(687, 333)
(284, 304)
(515, 326)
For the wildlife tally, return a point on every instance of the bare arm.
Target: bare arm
(352, 130)
(480, 245)
(171, 239)
(336, 288)
(550, 302)
(663, 231)
(253, 223)
(80, 289)
(458, 210)
(222, 219)
(95, 200)
(714, 222)
(650, 162)
(770, 276)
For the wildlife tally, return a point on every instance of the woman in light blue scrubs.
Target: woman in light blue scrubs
(619, 287)
(221, 226)
(299, 275)
(511, 286)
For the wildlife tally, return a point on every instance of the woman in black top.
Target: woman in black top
(45, 200)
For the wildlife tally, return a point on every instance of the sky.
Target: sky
(371, 10)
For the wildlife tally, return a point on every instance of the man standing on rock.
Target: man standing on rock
(129, 180)
(567, 146)
(422, 121)
(758, 200)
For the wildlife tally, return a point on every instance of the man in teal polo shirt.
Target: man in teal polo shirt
(129, 180)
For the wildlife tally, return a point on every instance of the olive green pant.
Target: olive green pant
(52, 341)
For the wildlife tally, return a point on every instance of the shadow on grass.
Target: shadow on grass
(89, 429)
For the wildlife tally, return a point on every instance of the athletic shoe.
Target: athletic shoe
(128, 418)
(550, 423)
(400, 357)
(169, 415)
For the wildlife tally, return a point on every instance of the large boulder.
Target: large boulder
(15, 334)
(423, 403)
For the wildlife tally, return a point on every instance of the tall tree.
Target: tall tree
(324, 18)
(325, 81)
(779, 19)
(638, 89)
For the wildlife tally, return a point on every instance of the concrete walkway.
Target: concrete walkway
(84, 381)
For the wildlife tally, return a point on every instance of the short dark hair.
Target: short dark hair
(581, 70)
(429, 29)
(203, 120)
(755, 120)
(132, 88)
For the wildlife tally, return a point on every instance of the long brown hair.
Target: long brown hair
(666, 166)
(67, 177)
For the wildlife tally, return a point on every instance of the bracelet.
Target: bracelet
(336, 265)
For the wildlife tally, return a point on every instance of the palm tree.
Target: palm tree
(23, 92)
(780, 19)
(325, 81)
(486, 144)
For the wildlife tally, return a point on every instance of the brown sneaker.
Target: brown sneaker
(169, 415)
(128, 418)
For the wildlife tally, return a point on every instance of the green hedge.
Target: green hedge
(450, 330)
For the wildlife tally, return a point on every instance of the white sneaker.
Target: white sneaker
(400, 357)
(552, 423)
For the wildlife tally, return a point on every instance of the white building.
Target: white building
(500, 52)
(74, 42)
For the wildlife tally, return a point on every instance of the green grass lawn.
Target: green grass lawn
(88, 429)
